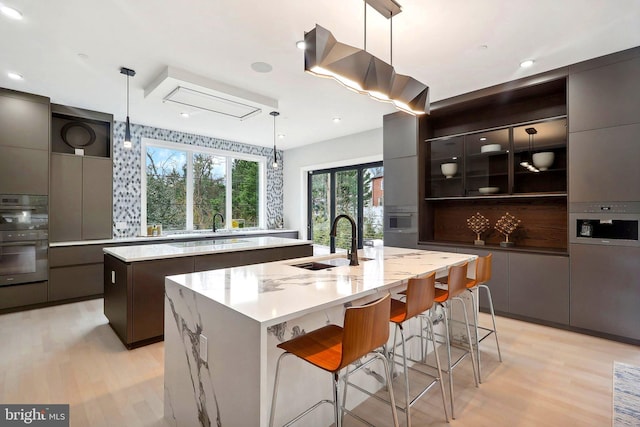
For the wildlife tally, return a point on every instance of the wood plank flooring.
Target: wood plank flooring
(69, 354)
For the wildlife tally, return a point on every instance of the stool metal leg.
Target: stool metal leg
(406, 375)
(466, 322)
(392, 399)
(450, 370)
(475, 303)
(275, 388)
(435, 350)
(337, 412)
(493, 317)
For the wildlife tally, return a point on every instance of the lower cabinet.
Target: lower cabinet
(75, 272)
(134, 291)
(605, 289)
(22, 295)
(539, 287)
(499, 283)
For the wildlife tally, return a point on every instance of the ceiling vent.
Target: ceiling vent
(201, 93)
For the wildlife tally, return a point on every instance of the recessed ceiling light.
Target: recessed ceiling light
(336, 119)
(300, 44)
(483, 139)
(15, 76)
(261, 67)
(83, 56)
(526, 64)
(281, 135)
(483, 47)
(184, 115)
(10, 12)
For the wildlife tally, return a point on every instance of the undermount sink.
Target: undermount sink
(328, 263)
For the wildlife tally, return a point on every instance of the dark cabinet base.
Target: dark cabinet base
(134, 292)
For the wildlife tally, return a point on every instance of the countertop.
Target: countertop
(198, 247)
(275, 292)
(169, 237)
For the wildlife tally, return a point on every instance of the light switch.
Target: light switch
(203, 348)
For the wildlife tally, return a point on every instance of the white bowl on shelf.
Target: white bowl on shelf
(543, 160)
(488, 190)
(490, 148)
(449, 169)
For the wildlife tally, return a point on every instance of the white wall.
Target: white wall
(352, 149)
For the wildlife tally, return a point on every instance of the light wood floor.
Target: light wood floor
(69, 354)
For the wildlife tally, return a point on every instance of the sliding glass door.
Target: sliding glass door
(356, 191)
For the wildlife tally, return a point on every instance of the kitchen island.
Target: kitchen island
(222, 328)
(134, 276)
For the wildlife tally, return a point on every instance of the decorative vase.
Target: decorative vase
(449, 169)
(543, 160)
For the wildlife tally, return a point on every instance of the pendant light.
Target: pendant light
(527, 159)
(127, 129)
(275, 152)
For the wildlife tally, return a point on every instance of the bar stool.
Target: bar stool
(483, 275)
(420, 296)
(444, 297)
(333, 348)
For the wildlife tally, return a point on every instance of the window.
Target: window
(184, 186)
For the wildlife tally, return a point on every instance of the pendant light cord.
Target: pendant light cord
(365, 25)
(127, 95)
(391, 38)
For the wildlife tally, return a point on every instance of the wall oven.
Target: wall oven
(606, 223)
(24, 239)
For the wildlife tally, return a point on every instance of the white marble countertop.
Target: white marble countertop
(198, 247)
(276, 292)
(169, 236)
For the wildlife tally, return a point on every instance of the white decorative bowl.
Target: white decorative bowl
(449, 169)
(543, 160)
(488, 190)
(488, 148)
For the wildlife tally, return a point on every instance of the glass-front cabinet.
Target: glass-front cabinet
(447, 167)
(520, 159)
(540, 157)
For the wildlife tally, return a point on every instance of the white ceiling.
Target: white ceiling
(72, 50)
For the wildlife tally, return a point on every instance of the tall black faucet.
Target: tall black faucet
(214, 220)
(353, 256)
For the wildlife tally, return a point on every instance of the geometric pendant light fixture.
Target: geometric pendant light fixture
(362, 72)
(274, 114)
(127, 129)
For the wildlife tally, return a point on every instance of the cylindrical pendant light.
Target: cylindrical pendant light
(127, 128)
(275, 152)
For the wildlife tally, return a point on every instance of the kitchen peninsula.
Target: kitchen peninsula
(134, 276)
(222, 328)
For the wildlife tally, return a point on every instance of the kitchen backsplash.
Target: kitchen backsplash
(127, 172)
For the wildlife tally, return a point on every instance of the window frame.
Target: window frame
(190, 150)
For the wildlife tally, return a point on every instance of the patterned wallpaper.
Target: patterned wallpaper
(127, 172)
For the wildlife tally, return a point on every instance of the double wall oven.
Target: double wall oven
(24, 241)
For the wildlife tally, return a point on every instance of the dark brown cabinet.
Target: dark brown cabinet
(604, 165)
(604, 95)
(605, 289)
(24, 143)
(134, 291)
(81, 198)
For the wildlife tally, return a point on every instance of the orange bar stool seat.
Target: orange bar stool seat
(332, 348)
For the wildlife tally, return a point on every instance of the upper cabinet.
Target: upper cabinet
(83, 132)
(604, 94)
(24, 143)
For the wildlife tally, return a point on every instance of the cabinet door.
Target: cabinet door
(24, 123)
(21, 295)
(604, 165)
(539, 287)
(605, 96)
(400, 136)
(24, 171)
(97, 196)
(148, 295)
(605, 290)
(401, 181)
(117, 290)
(75, 281)
(65, 216)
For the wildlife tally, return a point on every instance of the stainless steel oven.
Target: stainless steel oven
(24, 239)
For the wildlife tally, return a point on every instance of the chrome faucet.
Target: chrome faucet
(214, 220)
(353, 255)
